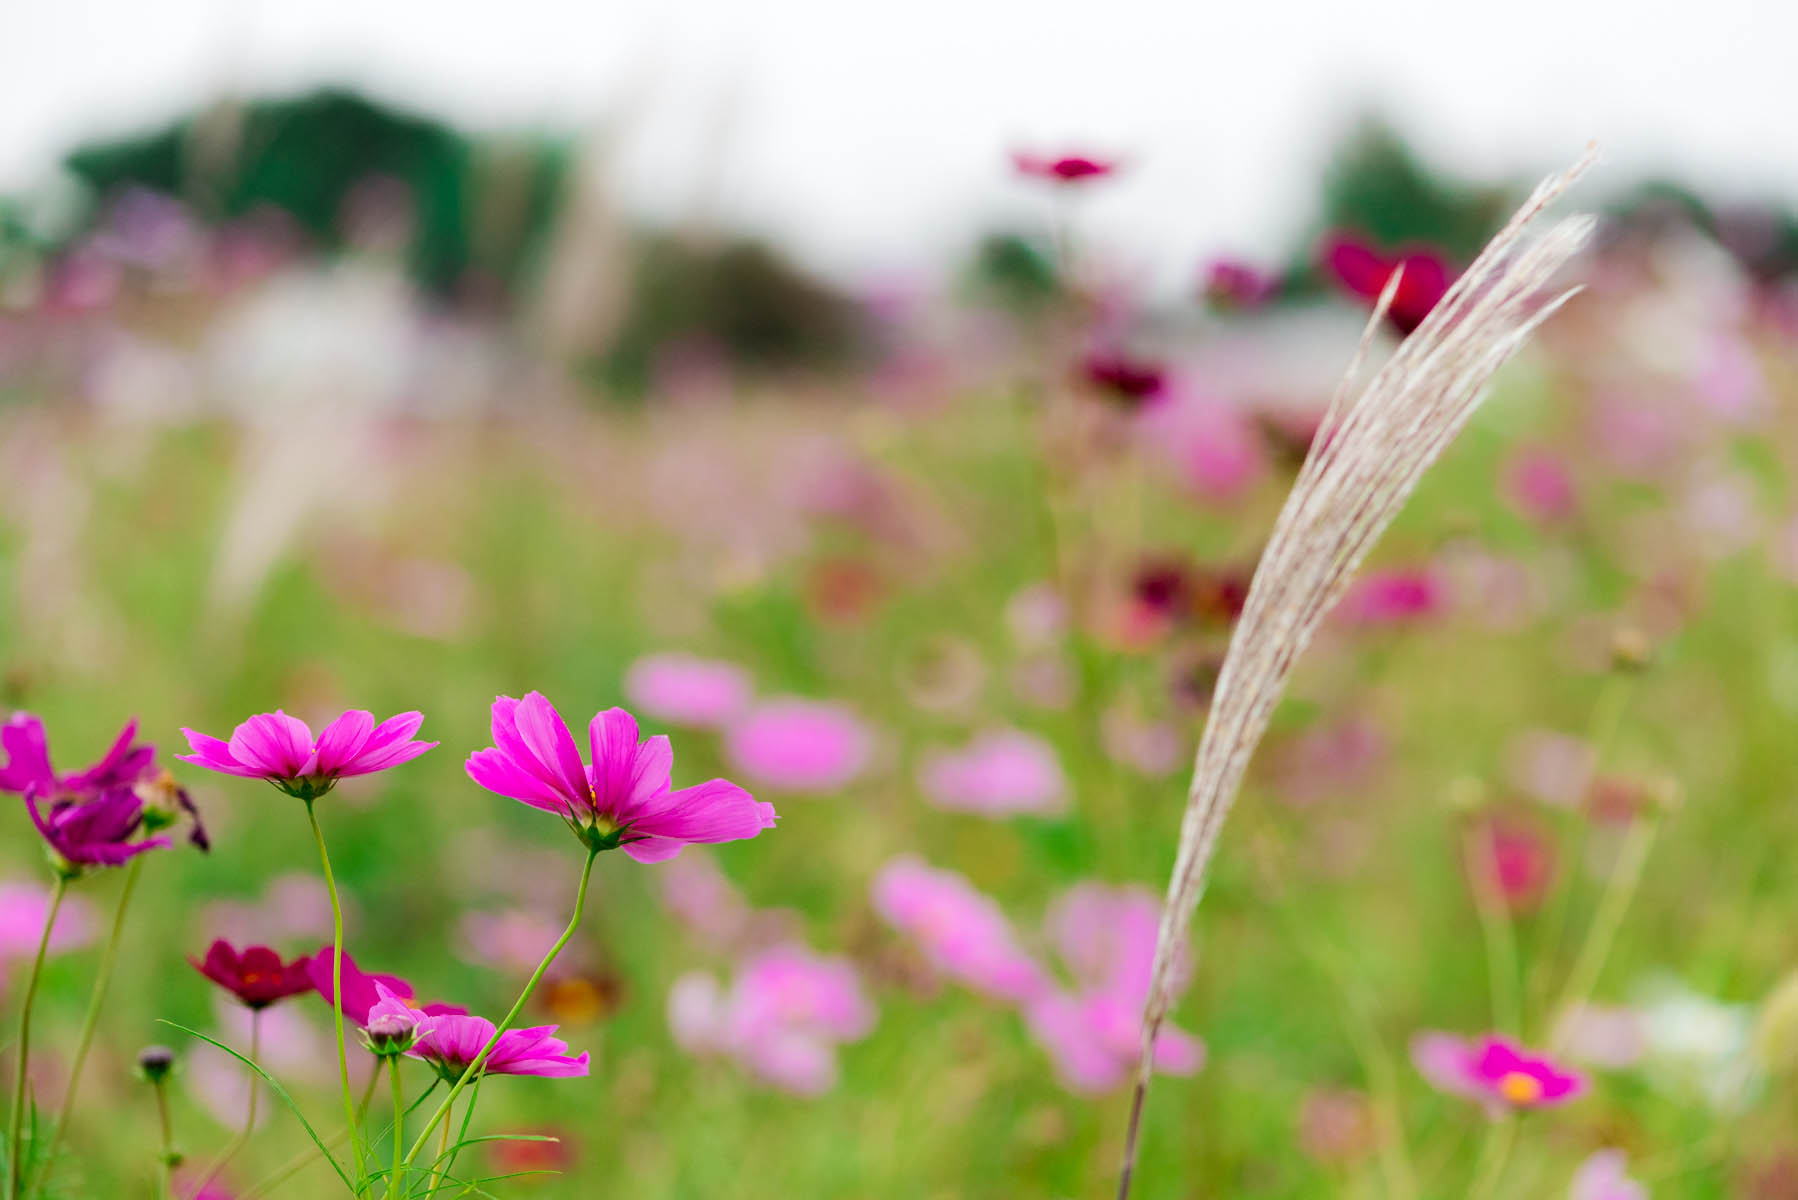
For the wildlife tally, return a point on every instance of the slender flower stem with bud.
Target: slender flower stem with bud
(343, 1057)
(96, 999)
(15, 1186)
(474, 1068)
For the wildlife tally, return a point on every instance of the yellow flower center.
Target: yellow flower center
(1519, 1088)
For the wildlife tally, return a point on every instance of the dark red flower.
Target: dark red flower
(1362, 270)
(1068, 168)
(256, 976)
(1128, 380)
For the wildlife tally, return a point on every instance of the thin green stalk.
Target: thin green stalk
(474, 1068)
(1619, 890)
(96, 999)
(307, 1157)
(343, 1058)
(399, 1126)
(1492, 1158)
(14, 1140)
(442, 1173)
(165, 1179)
(438, 1168)
(1496, 932)
(249, 1126)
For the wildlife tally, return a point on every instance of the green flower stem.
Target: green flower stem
(474, 1068)
(1496, 931)
(249, 1125)
(95, 1000)
(308, 1156)
(1493, 1154)
(1619, 890)
(15, 1180)
(441, 1173)
(165, 1179)
(399, 1126)
(343, 1058)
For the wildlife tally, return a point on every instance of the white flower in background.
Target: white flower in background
(1696, 1042)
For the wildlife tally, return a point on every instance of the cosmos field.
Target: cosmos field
(953, 606)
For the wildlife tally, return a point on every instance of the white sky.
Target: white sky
(874, 136)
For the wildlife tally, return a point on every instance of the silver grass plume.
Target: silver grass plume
(1373, 446)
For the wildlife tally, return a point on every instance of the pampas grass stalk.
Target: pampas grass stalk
(1373, 446)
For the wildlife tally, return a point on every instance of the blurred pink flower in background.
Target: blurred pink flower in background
(292, 907)
(514, 940)
(1493, 1070)
(1037, 614)
(1516, 857)
(685, 690)
(1129, 380)
(962, 931)
(1394, 596)
(1106, 938)
(1332, 758)
(1233, 285)
(799, 745)
(785, 1013)
(22, 910)
(1537, 484)
(1729, 381)
(999, 773)
(1634, 433)
(1151, 748)
(1336, 1125)
(1600, 1036)
(1062, 169)
(1552, 767)
(1605, 1176)
(1214, 448)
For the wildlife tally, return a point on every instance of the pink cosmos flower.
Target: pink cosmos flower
(1537, 484)
(1605, 1176)
(1393, 597)
(624, 798)
(702, 692)
(514, 940)
(799, 745)
(1362, 270)
(1066, 169)
(1106, 938)
(28, 762)
(280, 749)
(450, 1042)
(1493, 1070)
(999, 773)
(961, 931)
(786, 1012)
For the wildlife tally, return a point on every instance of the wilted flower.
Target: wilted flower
(450, 1042)
(1363, 270)
(256, 976)
(625, 798)
(1605, 1176)
(799, 745)
(961, 931)
(1494, 1071)
(999, 773)
(685, 690)
(28, 762)
(95, 832)
(1068, 168)
(280, 749)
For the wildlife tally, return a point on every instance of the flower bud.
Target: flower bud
(154, 1063)
(390, 1033)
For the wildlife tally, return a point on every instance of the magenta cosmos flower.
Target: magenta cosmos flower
(95, 832)
(451, 1042)
(799, 745)
(1066, 168)
(1362, 270)
(1493, 1070)
(280, 749)
(28, 762)
(363, 990)
(625, 798)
